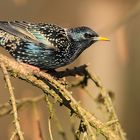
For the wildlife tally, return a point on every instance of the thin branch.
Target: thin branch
(5, 108)
(49, 126)
(85, 136)
(50, 107)
(13, 102)
(108, 103)
(53, 116)
(13, 135)
(51, 111)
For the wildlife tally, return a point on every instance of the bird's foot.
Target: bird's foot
(32, 68)
(77, 71)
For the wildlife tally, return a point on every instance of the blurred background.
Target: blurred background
(116, 62)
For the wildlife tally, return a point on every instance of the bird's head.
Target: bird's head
(84, 36)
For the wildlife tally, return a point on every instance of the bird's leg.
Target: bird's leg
(31, 67)
(52, 72)
(81, 71)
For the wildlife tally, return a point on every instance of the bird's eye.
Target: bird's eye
(87, 35)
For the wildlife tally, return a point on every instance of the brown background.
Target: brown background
(117, 62)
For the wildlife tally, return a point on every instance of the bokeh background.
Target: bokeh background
(116, 62)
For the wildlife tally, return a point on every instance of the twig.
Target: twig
(108, 104)
(111, 122)
(50, 107)
(85, 136)
(13, 135)
(5, 110)
(53, 116)
(13, 102)
(49, 126)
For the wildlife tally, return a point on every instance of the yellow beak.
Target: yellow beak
(101, 38)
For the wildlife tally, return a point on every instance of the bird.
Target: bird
(43, 45)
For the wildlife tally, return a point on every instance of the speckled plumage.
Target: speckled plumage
(46, 46)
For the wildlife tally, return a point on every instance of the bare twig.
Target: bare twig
(5, 108)
(51, 111)
(13, 102)
(50, 107)
(49, 126)
(13, 135)
(53, 116)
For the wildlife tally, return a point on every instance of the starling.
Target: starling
(46, 46)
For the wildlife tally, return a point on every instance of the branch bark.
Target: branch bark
(12, 101)
(54, 88)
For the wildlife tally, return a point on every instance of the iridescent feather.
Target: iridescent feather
(46, 46)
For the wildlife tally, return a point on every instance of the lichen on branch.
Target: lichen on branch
(53, 87)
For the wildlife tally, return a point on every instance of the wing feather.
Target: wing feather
(26, 31)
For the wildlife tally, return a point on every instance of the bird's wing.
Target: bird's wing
(26, 31)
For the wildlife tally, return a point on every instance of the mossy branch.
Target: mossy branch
(49, 85)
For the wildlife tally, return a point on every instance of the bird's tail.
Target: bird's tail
(2, 38)
(7, 41)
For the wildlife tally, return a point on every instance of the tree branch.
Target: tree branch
(12, 101)
(54, 88)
